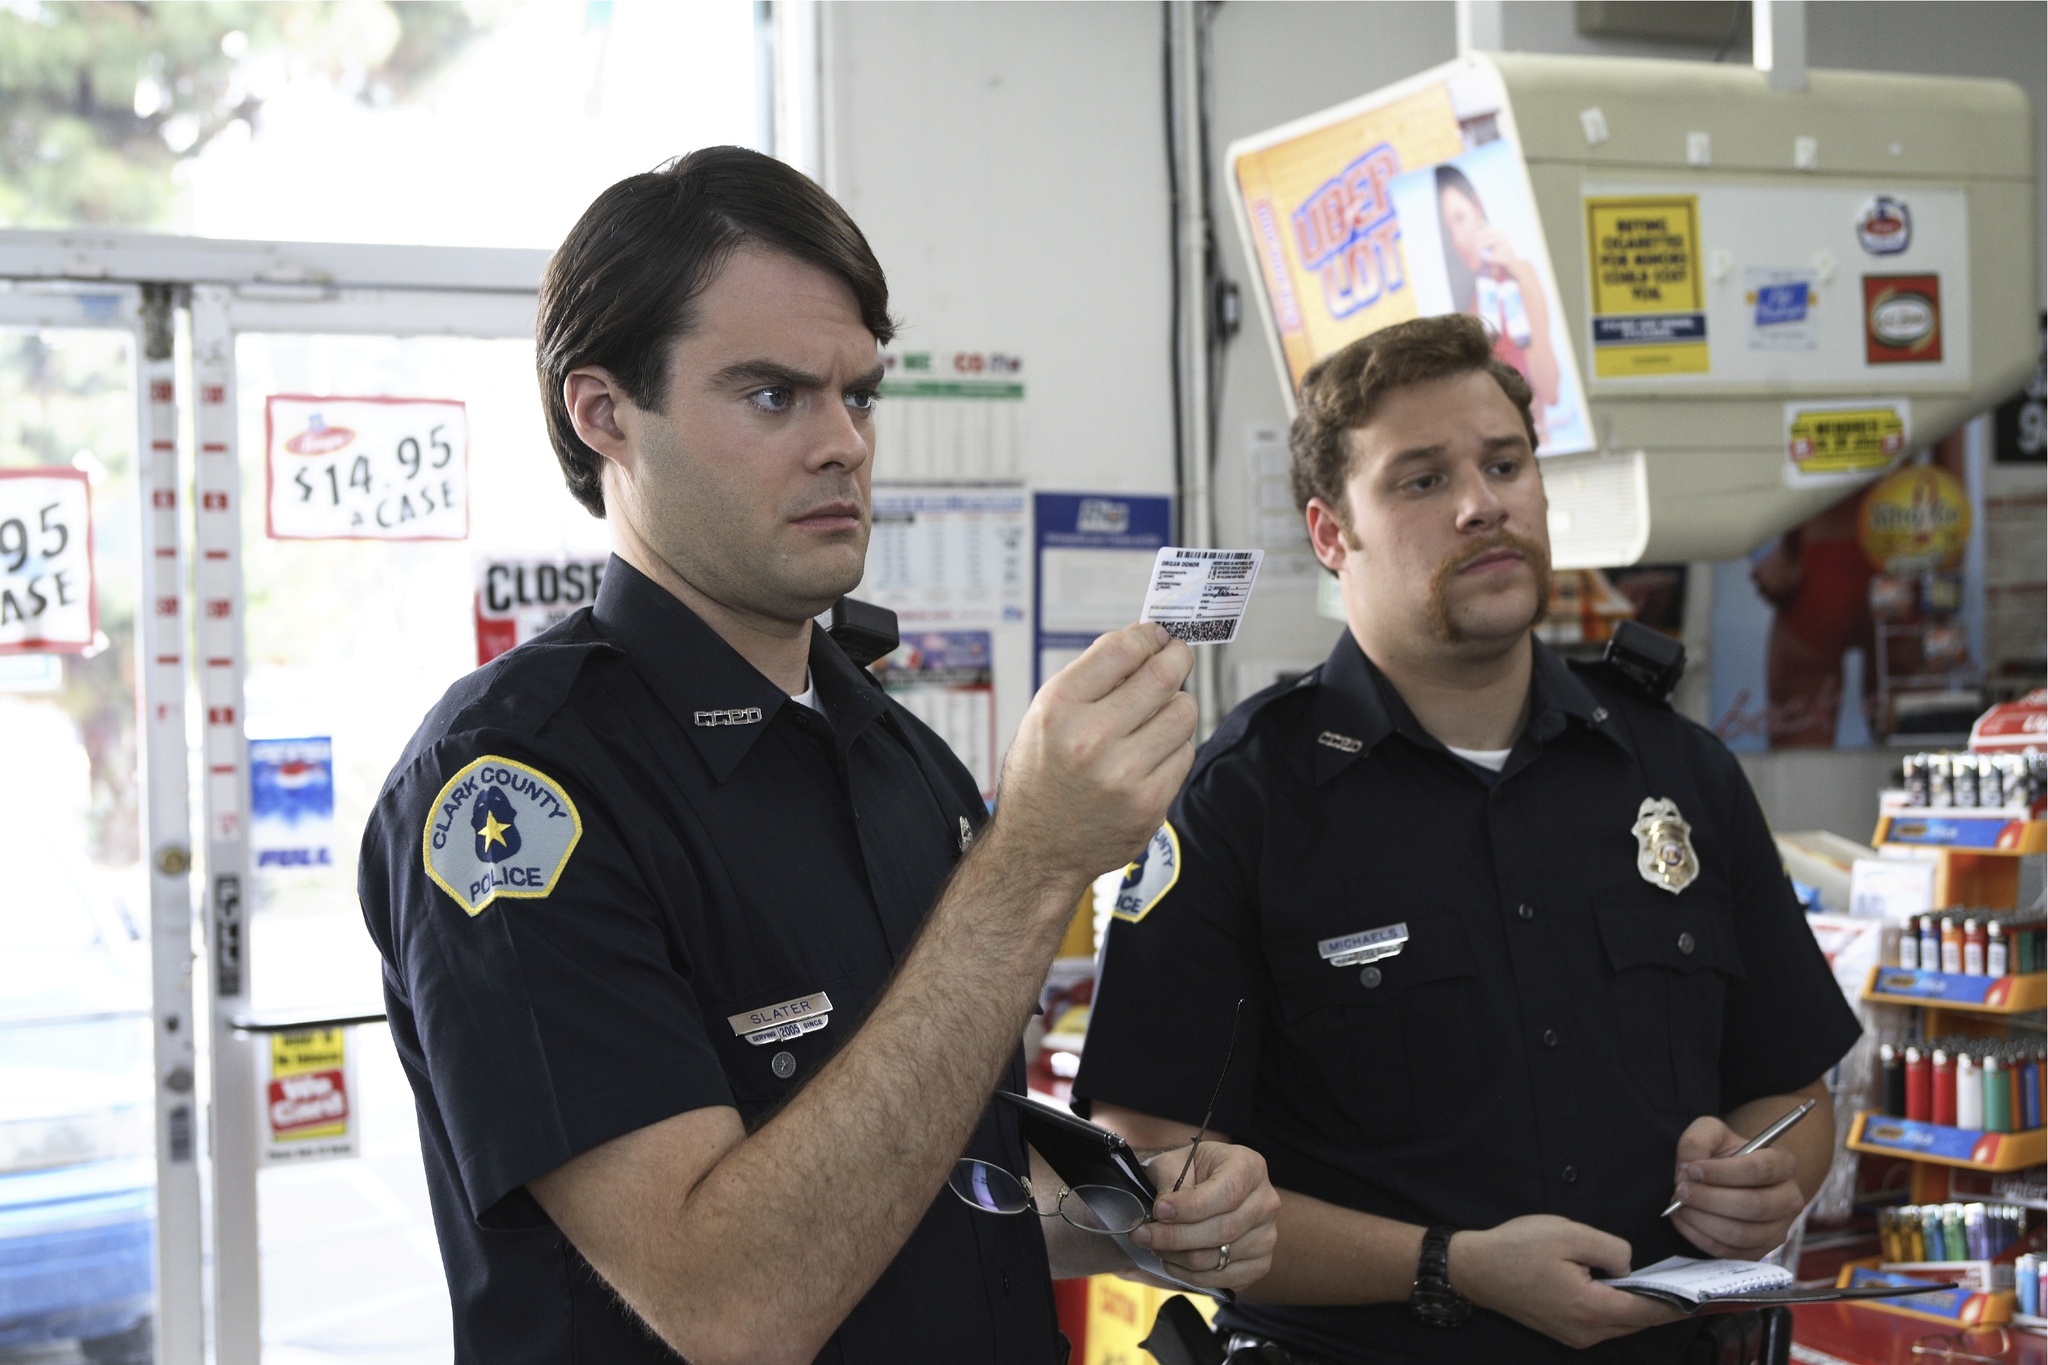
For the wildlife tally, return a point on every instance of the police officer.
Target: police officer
(700, 990)
(1518, 955)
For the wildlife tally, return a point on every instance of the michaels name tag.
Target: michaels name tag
(1352, 950)
(790, 1019)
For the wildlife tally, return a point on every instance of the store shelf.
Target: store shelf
(1881, 1135)
(1960, 829)
(1997, 995)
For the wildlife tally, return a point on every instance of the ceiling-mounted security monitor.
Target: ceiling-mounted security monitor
(1734, 303)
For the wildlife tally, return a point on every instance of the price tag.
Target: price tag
(367, 468)
(47, 603)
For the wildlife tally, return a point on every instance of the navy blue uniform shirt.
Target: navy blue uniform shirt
(1553, 1022)
(619, 875)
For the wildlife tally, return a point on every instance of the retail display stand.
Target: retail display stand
(1986, 858)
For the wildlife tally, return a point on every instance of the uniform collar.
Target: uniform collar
(1356, 707)
(722, 702)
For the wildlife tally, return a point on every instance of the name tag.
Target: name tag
(1351, 950)
(778, 1023)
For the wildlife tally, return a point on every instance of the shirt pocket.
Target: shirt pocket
(1674, 961)
(761, 1075)
(1395, 1042)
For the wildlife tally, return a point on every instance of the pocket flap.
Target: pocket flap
(1436, 950)
(1675, 935)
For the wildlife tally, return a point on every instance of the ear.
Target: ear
(599, 410)
(1327, 535)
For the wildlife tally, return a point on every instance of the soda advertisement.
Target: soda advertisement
(1411, 202)
(291, 802)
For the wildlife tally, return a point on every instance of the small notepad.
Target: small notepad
(1687, 1283)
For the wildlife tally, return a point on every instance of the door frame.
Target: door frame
(142, 283)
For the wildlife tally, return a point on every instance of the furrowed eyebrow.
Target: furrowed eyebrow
(871, 380)
(767, 372)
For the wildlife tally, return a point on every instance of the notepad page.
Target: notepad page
(1701, 1281)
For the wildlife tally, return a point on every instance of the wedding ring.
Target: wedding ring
(1222, 1258)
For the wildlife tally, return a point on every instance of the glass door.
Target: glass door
(78, 1146)
(402, 513)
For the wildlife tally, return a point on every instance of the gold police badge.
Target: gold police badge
(1664, 845)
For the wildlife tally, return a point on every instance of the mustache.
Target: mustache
(1532, 553)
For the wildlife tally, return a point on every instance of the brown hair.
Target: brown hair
(1342, 392)
(619, 290)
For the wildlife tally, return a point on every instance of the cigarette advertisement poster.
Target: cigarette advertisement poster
(1410, 202)
(307, 1089)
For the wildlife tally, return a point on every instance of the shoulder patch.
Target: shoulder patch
(1150, 877)
(499, 828)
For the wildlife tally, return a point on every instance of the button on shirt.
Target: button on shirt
(1552, 1022)
(743, 876)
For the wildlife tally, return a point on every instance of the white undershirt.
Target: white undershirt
(809, 696)
(1494, 759)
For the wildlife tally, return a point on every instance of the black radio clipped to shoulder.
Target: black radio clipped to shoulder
(865, 631)
(1646, 662)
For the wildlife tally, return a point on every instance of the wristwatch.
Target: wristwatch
(1433, 1301)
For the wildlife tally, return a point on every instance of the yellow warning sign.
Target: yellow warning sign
(1649, 301)
(307, 1097)
(1844, 439)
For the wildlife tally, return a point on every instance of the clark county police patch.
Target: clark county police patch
(1150, 877)
(499, 828)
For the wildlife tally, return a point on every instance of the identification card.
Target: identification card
(1200, 595)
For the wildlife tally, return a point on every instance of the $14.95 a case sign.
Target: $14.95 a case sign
(367, 468)
(46, 585)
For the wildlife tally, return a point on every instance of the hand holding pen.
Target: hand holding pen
(1737, 1199)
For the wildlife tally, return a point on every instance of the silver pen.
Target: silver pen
(1759, 1142)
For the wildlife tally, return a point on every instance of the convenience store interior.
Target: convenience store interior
(250, 205)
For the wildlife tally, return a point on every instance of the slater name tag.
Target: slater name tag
(790, 1019)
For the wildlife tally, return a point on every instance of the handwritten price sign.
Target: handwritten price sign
(367, 468)
(47, 604)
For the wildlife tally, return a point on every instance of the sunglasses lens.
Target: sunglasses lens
(1103, 1208)
(988, 1188)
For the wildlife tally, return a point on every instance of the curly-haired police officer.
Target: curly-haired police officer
(700, 987)
(1517, 951)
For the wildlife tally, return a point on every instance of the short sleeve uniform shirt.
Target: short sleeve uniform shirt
(617, 876)
(1555, 1015)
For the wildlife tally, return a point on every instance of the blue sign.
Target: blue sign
(1777, 303)
(1094, 555)
(291, 802)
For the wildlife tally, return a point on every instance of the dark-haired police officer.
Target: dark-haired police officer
(699, 987)
(1517, 952)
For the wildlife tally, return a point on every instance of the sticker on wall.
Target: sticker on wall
(1901, 319)
(1649, 300)
(47, 602)
(1832, 442)
(291, 802)
(1780, 305)
(367, 468)
(1885, 227)
(306, 1086)
(1915, 521)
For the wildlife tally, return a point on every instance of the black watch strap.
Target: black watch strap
(1433, 1300)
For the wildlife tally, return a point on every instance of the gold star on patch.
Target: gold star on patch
(493, 832)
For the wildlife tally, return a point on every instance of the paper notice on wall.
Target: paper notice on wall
(367, 468)
(946, 678)
(1272, 521)
(306, 1087)
(1095, 553)
(1648, 285)
(945, 557)
(47, 603)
